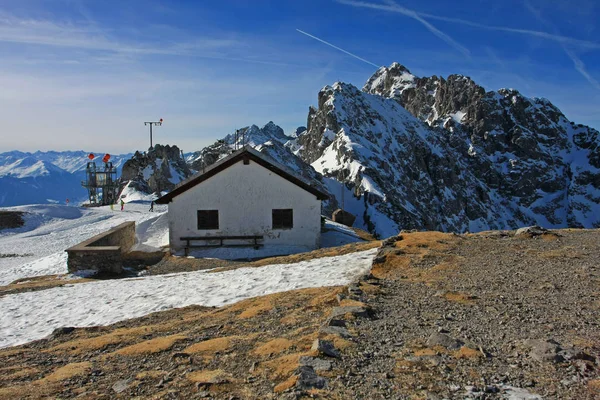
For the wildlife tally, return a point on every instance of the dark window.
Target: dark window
(283, 219)
(208, 219)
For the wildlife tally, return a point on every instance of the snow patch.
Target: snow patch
(51, 229)
(34, 315)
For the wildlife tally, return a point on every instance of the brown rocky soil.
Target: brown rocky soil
(473, 316)
(242, 350)
(442, 316)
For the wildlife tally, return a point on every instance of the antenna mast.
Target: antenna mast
(151, 123)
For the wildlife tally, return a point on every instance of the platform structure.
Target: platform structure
(101, 183)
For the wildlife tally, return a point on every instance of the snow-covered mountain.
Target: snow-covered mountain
(70, 161)
(45, 177)
(270, 140)
(440, 154)
(29, 167)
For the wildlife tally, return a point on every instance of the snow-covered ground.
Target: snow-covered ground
(338, 235)
(50, 229)
(33, 315)
(245, 253)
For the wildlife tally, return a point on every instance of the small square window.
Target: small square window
(283, 218)
(208, 219)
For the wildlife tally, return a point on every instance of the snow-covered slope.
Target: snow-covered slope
(37, 248)
(29, 167)
(45, 177)
(40, 244)
(438, 154)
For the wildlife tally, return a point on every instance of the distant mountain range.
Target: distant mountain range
(46, 177)
(404, 152)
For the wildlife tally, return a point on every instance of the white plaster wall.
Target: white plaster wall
(245, 196)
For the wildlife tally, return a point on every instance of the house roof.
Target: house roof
(245, 153)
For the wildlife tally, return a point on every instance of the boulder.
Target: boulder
(121, 386)
(308, 379)
(325, 347)
(441, 339)
(534, 230)
(336, 330)
(318, 364)
(356, 311)
(343, 217)
(544, 350)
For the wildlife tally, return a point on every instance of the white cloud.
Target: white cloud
(89, 37)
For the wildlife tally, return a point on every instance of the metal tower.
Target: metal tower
(101, 182)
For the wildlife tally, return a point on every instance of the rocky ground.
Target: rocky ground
(491, 315)
(481, 316)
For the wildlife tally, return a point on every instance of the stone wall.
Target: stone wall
(104, 252)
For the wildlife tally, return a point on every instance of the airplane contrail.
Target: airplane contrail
(337, 48)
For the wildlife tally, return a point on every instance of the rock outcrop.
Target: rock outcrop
(155, 171)
(444, 154)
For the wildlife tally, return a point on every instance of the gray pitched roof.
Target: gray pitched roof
(245, 153)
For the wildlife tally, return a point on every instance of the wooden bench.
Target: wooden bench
(221, 239)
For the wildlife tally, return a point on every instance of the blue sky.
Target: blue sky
(86, 74)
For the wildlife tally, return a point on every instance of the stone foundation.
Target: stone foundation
(104, 252)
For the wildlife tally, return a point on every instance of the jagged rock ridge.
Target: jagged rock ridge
(444, 154)
(155, 171)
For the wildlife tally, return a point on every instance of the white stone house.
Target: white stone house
(245, 199)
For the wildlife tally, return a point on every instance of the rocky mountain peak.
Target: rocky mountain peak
(298, 131)
(269, 135)
(157, 170)
(445, 154)
(390, 81)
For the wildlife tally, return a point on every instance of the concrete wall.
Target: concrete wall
(103, 253)
(245, 196)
